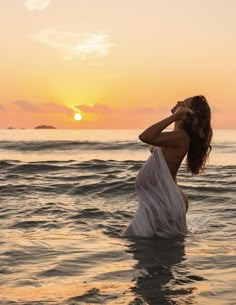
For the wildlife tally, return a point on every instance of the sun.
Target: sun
(78, 116)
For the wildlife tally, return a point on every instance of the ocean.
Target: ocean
(66, 195)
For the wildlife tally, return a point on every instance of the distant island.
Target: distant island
(45, 127)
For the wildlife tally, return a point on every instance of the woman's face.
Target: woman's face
(186, 103)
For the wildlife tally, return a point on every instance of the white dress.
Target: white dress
(161, 210)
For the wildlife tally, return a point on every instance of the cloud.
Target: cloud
(27, 106)
(2, 108)
(74, 45)
(141, 110)
(37, 5)
(104, 109)
(97, 108)
(43, 108)
(56, 108)
(97, 44)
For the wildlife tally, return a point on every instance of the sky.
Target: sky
(118, 63)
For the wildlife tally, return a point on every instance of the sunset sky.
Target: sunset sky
(119, 63)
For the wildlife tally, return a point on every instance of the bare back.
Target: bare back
(174, 155)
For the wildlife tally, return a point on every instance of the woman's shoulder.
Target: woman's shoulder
(180, 137)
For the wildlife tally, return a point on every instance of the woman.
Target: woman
(162, 205)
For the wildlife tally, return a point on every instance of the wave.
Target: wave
(69, 145)
(94, 164)
(53, 146)
(225, 147)
(110, 166)
(99, 178)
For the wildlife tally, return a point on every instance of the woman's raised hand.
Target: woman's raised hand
(181, 113)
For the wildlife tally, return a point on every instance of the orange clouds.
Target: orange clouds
(103, 116)
(2, 108)
(94, 116)
(97, 108)
(26, 106)
(104, 109)
(27, 114)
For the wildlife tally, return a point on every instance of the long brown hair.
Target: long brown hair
(198, 126)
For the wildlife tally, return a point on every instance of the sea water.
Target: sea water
(67, 194)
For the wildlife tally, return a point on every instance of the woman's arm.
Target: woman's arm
(153, 135)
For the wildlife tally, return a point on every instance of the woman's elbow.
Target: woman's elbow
(140, 137)
(148, 140)
(143, 138)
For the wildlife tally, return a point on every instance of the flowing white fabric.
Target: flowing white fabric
(161, 208)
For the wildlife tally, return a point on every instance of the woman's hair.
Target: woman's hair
(198, 126)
